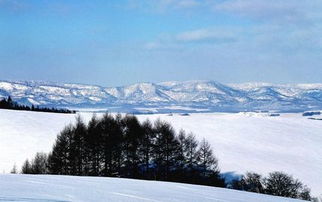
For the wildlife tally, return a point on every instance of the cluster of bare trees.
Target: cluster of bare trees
(276, 183)
(121, 146)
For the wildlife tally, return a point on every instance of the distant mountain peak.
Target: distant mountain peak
(172, 96)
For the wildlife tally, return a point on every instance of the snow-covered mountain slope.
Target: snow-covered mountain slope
(242, 142)
(190, 96)
(47, 188)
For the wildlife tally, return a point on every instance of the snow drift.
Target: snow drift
(44, 188)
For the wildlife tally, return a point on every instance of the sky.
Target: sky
(120, 42)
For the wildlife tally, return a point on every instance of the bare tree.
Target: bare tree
(14, 169)
(206, 159)
(281, 184)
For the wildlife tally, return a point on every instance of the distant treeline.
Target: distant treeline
(276, 184)
(10, 104)
(121, 146)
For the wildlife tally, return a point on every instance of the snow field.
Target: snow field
(242, 142)
(46, 188)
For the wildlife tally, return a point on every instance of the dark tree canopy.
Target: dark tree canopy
(38, 165)
(10, 104)
(281, 184)
(251, 182)
(121, 146)
(276, 183)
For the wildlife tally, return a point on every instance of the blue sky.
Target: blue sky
(119, 42)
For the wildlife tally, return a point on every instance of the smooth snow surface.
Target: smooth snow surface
(26, 188)
(242, 142)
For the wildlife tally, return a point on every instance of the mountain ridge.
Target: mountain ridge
(172, 96)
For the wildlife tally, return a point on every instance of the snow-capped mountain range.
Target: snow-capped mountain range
(189, 96)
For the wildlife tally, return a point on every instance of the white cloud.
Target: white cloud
(191, 38)
(165, 5)
(177, 4)
(282, 11)
(275, 11)
(188, 3)
(152, 45)
(262, 39)
(276, 26)
(206, 35)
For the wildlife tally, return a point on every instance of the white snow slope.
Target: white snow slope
(26, 188)
(242, 142)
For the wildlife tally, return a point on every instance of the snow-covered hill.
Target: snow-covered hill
(191, 96)
(26, 188)
(242, 142)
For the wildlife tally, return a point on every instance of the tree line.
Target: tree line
(276, 183)
(10, 104)
(121, 146)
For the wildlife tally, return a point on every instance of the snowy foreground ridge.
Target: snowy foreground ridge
(191, 96)
(242, 142)
(46, 188)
